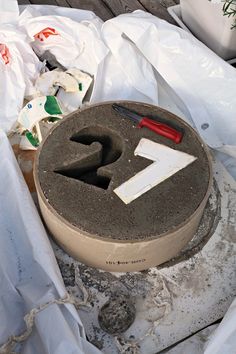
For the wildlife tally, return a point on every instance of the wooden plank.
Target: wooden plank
(97, 6)
(63, 3)
(43, 2)
(23, 2)
(159, 8)
(122, 6)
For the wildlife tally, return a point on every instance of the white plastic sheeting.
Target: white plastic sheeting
(203, 81)
(29, 274)
(223, 340)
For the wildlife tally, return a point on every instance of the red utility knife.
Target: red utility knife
(159, 128)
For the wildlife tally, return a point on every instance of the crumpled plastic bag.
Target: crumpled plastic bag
(29, 274)
(9, 11)
(72, 43)
(82, 45)
(19, 68)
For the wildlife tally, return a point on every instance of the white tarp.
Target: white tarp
(223, 340)
(29, 274)
(203, 81)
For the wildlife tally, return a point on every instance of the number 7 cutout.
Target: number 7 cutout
(166, 162)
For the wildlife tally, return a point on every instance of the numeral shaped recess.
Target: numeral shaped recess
(106, 148)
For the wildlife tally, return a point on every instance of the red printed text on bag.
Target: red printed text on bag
(45, 33)
(4, 53)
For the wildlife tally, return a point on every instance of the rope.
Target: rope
(8, 347)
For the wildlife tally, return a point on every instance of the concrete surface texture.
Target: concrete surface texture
(91, 152)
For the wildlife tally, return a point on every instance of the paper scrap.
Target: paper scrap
(38, 109)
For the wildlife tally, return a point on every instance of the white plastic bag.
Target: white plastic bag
(9, 11)
(73, 44)
(19, 68)
(82, 45)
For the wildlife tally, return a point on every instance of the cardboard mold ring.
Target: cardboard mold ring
(87, 156)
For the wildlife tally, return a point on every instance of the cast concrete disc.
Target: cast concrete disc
(91, 152)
